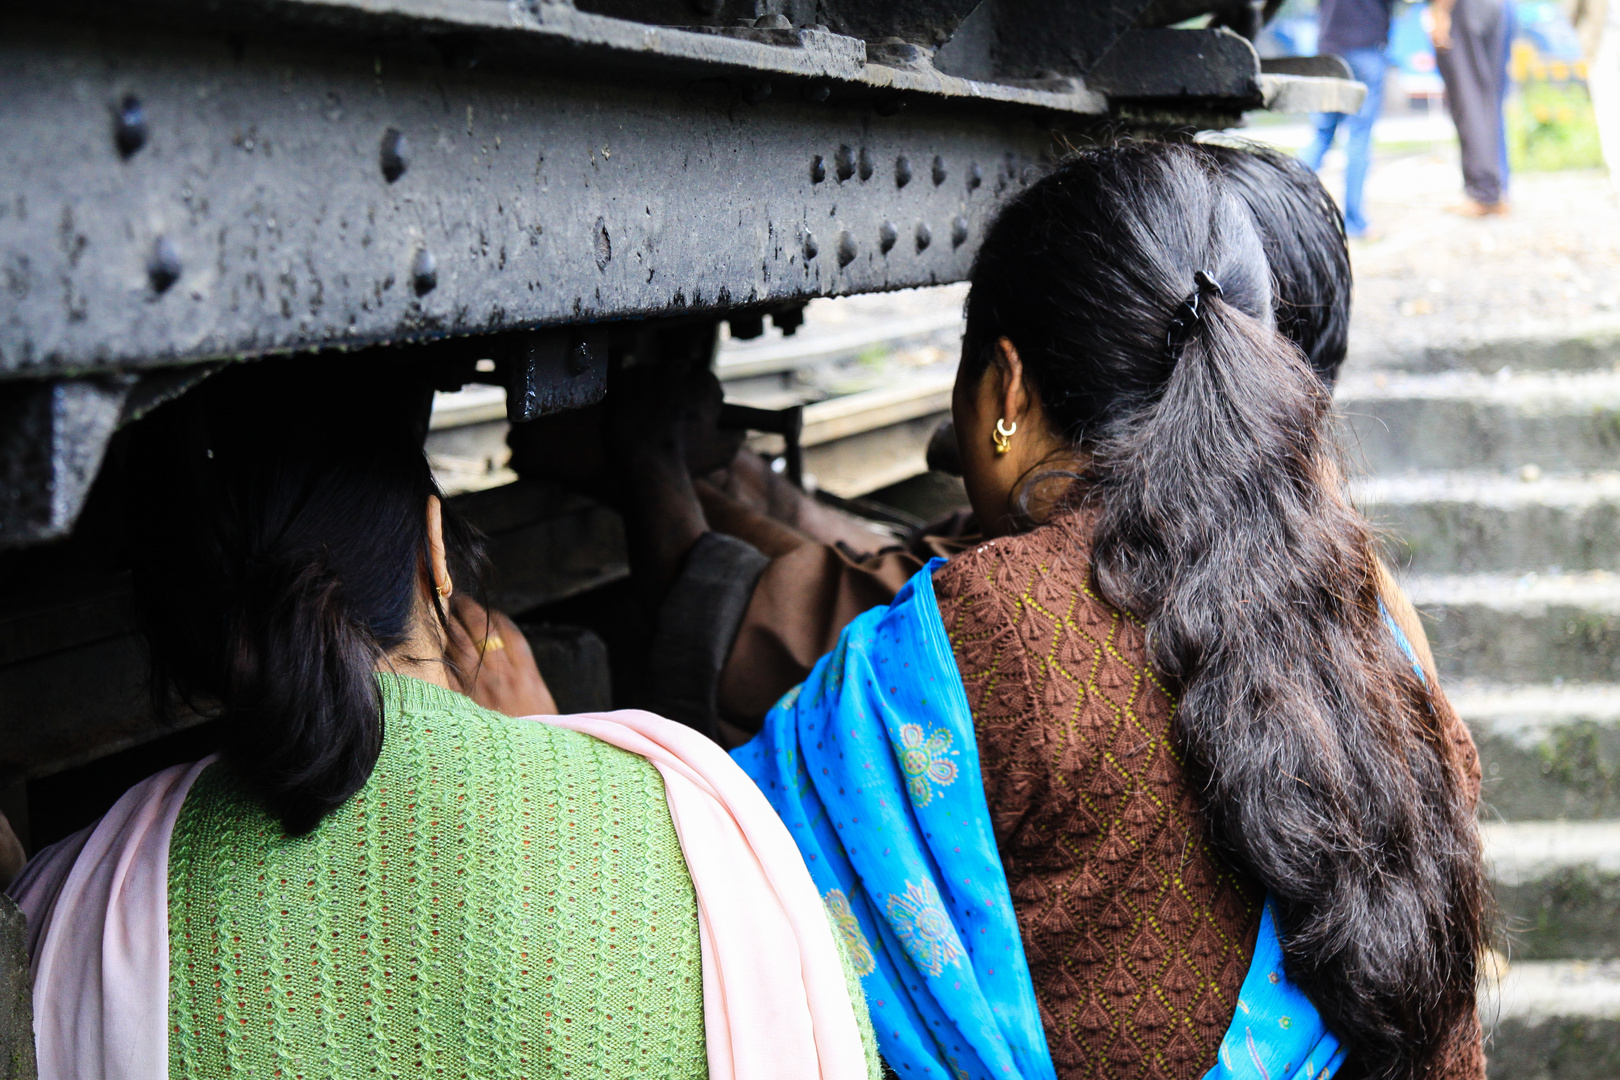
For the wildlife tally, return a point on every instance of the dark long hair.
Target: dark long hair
(1221, 521)
(1302, 232)
(279, 535)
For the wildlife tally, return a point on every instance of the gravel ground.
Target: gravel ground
(1550, 268)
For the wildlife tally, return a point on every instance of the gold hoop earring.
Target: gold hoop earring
(443, 591)
(1003, 435)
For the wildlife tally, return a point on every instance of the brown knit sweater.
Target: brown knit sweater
(1138, 934)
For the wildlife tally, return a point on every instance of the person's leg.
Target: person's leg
(1369, 67)
(1468, 68)
(1326, 124)
(1510, 30)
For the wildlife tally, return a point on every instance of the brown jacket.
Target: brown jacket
(1138, 933)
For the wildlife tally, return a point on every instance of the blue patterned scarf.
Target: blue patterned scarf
(873, 765)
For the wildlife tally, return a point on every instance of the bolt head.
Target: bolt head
(811, 248)
(959, 231)
(925, 236)
(939, 171)
(773, 22)
(788, 319)
(747, 325)
(975, 177)
(818, 170)
(902, 171)
(863, 167)
(424, 272)
(129, 126)
(163, 265)
(755, 91)
(580, 358)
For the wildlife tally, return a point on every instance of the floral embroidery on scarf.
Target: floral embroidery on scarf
(920, 922)
(860, 950)
(925, 759)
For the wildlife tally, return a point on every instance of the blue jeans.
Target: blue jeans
(1368, 66)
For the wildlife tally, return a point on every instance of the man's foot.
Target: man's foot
(1470, 209)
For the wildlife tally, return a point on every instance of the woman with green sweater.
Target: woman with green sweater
(377, 875)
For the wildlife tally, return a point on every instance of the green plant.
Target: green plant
(1550, 126)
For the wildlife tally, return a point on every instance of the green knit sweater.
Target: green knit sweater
(502, 899)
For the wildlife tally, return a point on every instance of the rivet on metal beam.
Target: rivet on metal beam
(887, 235)
(756, 91)
(846, 249)
(129, 126)
(395, 155)
(818, 91)
(924, 236)
(902, 171)
(163, 265)
(844, 163)
(603, 245)
(958, 231)
(865, 168)
(424, 272)
(975, 177)
(939, 171)
(811, 248)
(773, 22)
(818, 170)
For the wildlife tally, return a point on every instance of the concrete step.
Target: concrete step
(1520, 342)
(1449, 523)
(1546, 752)
(1402, 423)
(1557, 1020)
(1557, 886)
(1530, 628)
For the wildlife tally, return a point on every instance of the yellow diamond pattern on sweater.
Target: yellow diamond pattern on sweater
(502, 899)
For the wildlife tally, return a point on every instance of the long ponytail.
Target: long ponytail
(1221, 521)
(280, 554)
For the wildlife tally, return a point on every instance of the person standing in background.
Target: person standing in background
(1471, 41)
(1358, 32)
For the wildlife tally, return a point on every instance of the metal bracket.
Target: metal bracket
(788, 423)
(553, 371)
(1158, 64)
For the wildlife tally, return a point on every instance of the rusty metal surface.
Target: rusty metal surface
(257, 215)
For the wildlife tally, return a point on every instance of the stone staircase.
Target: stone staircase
(1500, 489)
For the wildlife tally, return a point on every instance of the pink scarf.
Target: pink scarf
(775, 1003)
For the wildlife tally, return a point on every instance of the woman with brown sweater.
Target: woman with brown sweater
(1150, 783)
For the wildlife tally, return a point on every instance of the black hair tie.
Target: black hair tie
(1188, 313)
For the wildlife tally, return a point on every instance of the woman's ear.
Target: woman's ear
(1012, 391)
(438, 564)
